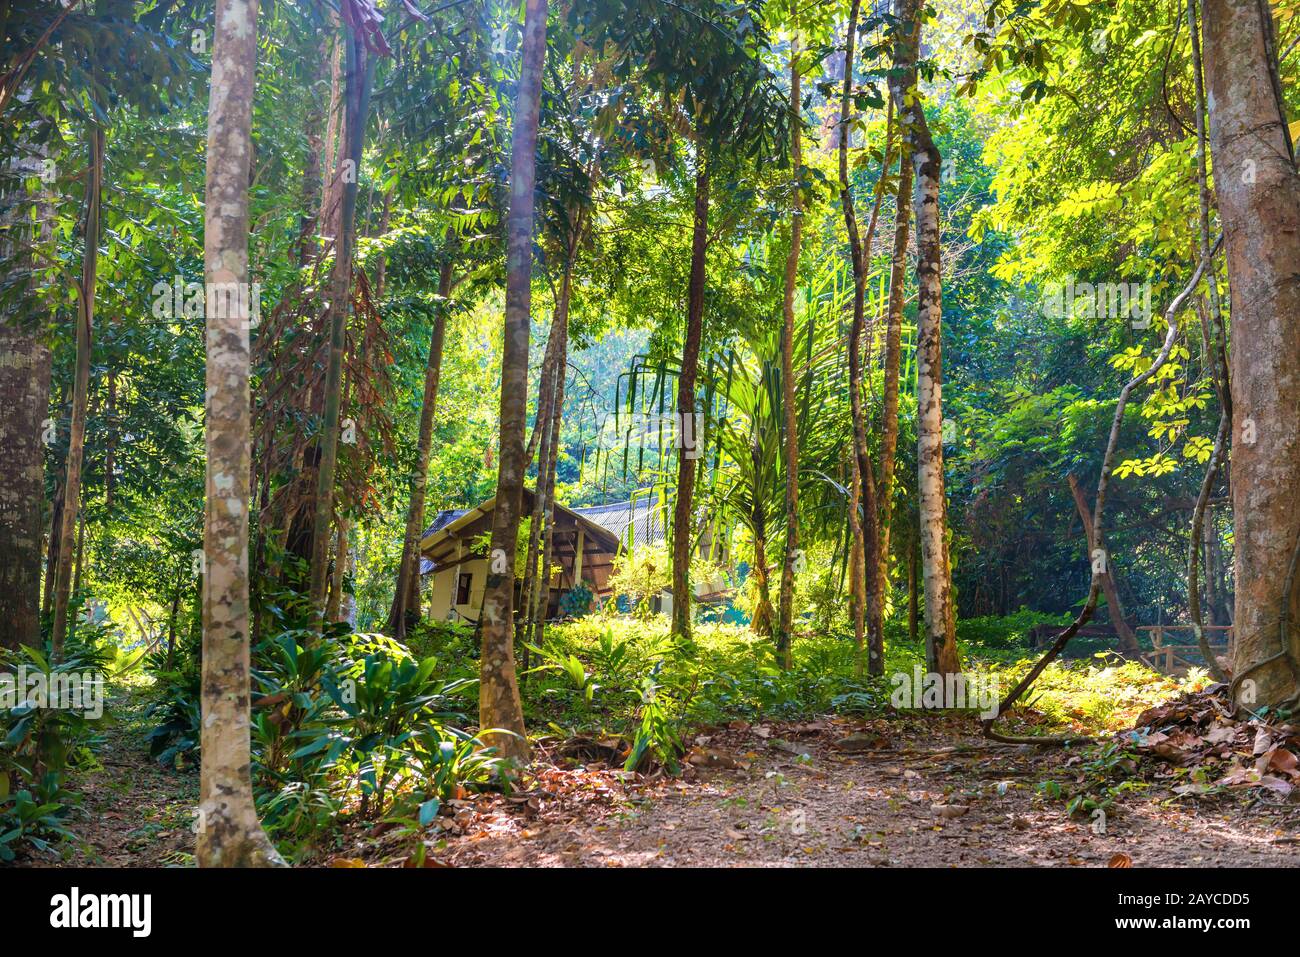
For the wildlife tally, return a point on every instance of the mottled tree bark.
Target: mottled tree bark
(785, 601)
(229, 833)
(683, 507)
(410, 565)
(24, 404)
(940, 619)
(499, 706)
(1259, 204)
(24, 399)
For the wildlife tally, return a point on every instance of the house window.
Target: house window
(462, 587)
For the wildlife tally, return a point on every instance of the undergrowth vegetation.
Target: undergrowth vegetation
(357, 727)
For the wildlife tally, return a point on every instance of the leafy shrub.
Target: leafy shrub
(336, 717)
(40, 743)
(658, 733)
(174, 740)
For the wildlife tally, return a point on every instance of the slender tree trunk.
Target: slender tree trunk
(357, 85)
(543, 436)
(499, 706)
(24, 404)
(52, 552)
(867, 611)
(80, 390)
(683, 507)
(940, 617)
(1213, 570)
(546, 473)
(785, 609)
(110, 438)
(1210, 339)
(171, 627)
(229, 832)
(332, 195)
(1259, 204)
(857, 551)
(410, 565)
(338, 570)
(894, 339)
(1128, 642)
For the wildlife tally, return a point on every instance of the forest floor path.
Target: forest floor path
(913, 790)
(923, 791)
(133, 812)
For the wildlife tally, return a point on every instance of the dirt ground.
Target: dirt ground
(135, 813)
(949, 799)
(767, 794)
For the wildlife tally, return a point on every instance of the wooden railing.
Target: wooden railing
(1165, 655)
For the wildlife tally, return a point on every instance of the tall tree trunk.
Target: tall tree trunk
(332, 196)
(1128, 642)
(542, 436)
(110, 438)
(940, 618)
(409, 569)
(171, 625)
(1259, 204)
(499, 706)
(357, 97)
(894, 339)
(52, 551)
(80, 389)
(867, 610)
(229, 832)
(683, 507)
(785, 601)
(1211, 336)
(24, 404)
(1213, 571)
(546, 472)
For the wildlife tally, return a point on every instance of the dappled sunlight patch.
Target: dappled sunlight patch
(1094, 695)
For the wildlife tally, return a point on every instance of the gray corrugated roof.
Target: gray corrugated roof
(441, 520)
(642, 515)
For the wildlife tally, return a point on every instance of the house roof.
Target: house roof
(448, 539)
(637, 523)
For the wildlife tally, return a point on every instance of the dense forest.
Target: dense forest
(451, 432)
